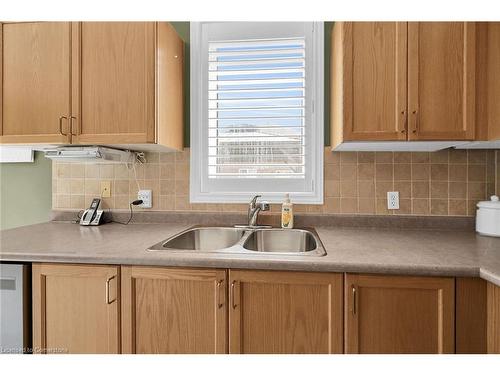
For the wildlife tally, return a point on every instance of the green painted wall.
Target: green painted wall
(183, 30)
(25, 192)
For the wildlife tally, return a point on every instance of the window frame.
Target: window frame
(313, 184)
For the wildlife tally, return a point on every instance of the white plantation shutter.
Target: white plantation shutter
(254, 126)
(256, 108)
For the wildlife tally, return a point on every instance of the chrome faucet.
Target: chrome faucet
(254, 208)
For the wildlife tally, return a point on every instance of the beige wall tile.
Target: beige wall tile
(381, 207)
(122, 202)
(476, 156)
(366, 157)
(348, 189)
(384, 157)
(348, 158)
(476, 190)
(366, 171)
(332, 172)
(77, 186)
(106, 171)
(476, 172)
(440, 156)
(382, 187)
(332, 205)
(402, 172)
(420, 206)
(91, 170)
(420, 157)
(404, 189)
(167, 157)
(439, 207)
(348, 205)
(458, 156)
(458, 190)
(404, 207)
(366, 206)
(458, 172)
(120, 171)
(384, 172)
(420, 172)
(457, 207)
(121, 187)
(439, 172)
(63, 170)
(439, 189)
(332, 188)
(151, 171)
(366, 189)
(77, 202)
(402, 157)
(77, 170)
(420, 189)
(331, 157)
(167, 187)
(348, 172)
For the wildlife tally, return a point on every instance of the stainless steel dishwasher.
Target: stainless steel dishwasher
(15, 308)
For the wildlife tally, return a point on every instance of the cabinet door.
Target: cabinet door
(374, 73)
(76, 308)
(398, 314)
(35, 82)
(173, 310)
(114, 81)
(493, 312)
(285, 312)
(441, 83)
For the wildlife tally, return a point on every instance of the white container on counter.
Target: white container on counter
(488, 217)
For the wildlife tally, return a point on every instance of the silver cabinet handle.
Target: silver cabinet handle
(61, 125)
(405, 122)
(354, 303)
(234, 305)
(108, 280)
(415, 129)
(71, 125)
(219, 292)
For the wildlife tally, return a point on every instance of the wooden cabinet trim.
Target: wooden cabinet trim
(131, 273)
(493, 314)
(349, 112)
(415, 131)
(40, 271)
(446, 295)
(52, 137)
(334, 282)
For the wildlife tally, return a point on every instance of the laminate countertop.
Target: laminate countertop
(359, 249)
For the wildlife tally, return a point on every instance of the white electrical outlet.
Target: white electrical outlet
(147, 198)
(393, 200)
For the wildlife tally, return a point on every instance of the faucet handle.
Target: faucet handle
(264, 206)
(254, 200)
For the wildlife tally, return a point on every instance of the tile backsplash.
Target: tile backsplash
(448, 182)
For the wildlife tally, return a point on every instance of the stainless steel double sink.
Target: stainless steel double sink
(272, 241)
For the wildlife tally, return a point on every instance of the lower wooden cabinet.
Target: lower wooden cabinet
(76, 309)
(173, 310)
(393, 314)
(285, 312)
(493, 312)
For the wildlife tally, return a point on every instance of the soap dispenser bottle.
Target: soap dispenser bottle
(287, 213)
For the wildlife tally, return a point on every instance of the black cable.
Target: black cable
(134, 203)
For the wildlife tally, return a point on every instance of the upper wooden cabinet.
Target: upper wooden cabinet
(285, 312)
(487, 82)
(125, 78)
(403, 81)
(173, 310)
(399, 314)
(35, 71)
(441, 79)
(369, 71)
(76, 308)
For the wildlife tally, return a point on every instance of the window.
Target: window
(256, 111)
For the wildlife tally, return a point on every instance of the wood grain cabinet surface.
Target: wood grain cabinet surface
(76, 308)
(493, 313)
(174, 310)
(399, 314)
(403, 81)
(113, 83)
(35, 82)
(285, 312)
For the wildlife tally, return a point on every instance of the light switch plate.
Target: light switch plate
(105, 189)
(147, 198)
(393, 200)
